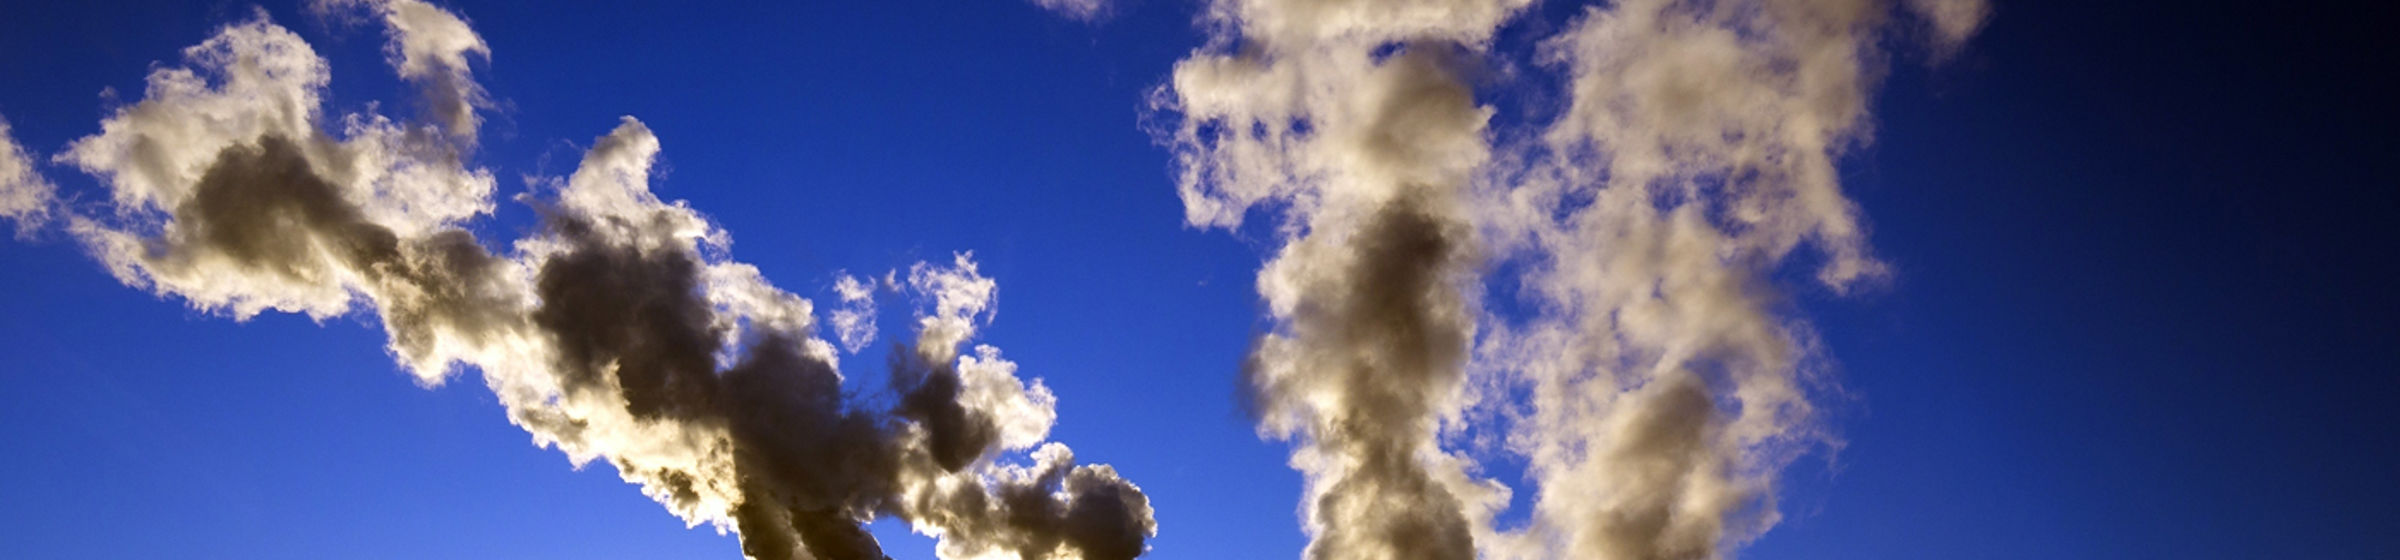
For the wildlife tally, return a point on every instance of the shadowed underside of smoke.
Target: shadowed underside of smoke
(929, 391)
(635, 322)
(632, 322)
(1053, 509)
(263, 208)
(623, 321)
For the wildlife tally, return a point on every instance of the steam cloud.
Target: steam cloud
(620, 331)
(1694, 155)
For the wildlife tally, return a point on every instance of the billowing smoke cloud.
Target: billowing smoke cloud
(1694, 155)
(621, 331)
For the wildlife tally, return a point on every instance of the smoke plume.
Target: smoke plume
(1640, 227)
(621, 330)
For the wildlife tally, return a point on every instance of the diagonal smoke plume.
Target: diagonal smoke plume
(620, 331)
(1694, 155)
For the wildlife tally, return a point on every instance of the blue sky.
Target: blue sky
(2135, 308)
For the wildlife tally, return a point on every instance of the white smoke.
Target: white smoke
(1695, 155)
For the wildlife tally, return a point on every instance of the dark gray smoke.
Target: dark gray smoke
(929, 391)
(262, 210)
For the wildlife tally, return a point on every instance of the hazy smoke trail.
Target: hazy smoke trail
(1695, 154)
(621, 331)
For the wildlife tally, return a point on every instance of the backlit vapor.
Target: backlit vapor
(621, 330)
(1692, 155)
(25, 197)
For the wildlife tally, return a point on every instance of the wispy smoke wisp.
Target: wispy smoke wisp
(25, 197)
(854, 322)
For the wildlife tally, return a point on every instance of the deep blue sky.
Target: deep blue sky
(2143, 306)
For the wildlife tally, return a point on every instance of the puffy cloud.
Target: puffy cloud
(1695, 155)
(25, 197)
(961, 298)
(620, 331)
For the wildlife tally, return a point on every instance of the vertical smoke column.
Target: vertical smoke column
(1359, 117)
(1694, 155)
(1697, 154)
